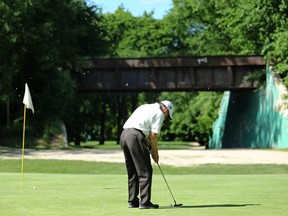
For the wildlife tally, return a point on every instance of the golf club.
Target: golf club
(149, 148)
(175, 204)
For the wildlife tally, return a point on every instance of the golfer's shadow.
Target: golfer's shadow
(213, 206)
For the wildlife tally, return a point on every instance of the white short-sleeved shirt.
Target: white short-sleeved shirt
(147, 118)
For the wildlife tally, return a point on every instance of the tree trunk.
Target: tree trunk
(102, 124)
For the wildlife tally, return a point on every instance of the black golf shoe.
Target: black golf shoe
(149, 206)
(133, 205)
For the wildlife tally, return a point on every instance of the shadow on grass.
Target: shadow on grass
(212, 206)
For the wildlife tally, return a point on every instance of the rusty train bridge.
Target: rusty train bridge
(207, 73)
(215, 73)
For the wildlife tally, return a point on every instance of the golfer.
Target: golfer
(144, 124)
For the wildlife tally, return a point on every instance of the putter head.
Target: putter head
(178, 205)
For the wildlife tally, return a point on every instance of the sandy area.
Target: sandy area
(167, 157)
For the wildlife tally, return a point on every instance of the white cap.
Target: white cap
(169, 106)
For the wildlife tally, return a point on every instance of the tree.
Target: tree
(116, 25)
(195, 113)
(10, 28)
(44, 43)
(141, 36)
(227, 27)
(43, 40)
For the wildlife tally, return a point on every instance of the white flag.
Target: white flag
(27, 99)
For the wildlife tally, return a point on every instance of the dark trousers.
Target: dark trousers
(138, 165)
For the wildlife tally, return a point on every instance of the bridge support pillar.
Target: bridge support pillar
(253, 119)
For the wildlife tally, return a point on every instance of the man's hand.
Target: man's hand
(154, 146)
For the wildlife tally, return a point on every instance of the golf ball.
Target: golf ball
(34, 187)
(171, 205)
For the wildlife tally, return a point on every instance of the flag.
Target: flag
(27, 98)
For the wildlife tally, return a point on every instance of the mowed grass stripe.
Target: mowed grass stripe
(84, 167)
(202, 195)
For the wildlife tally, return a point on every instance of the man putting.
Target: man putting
(144, 123)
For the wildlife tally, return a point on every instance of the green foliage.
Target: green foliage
(193, 118)
(180, 128)
(9, 36)
(206, 108)
(117, 25)
(130, 36)
(258, 76)
(44, 41)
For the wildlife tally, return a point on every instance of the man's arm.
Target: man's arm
(154, 145)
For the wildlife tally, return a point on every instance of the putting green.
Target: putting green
(98, 194)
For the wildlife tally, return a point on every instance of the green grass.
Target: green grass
(162, 145)
(65, 188)
(86, 167)
(113, 145)
(101, 194)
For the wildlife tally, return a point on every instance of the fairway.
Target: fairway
(98, 194)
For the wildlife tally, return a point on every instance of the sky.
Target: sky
(136, 7)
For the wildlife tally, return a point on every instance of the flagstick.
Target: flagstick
(23, 143)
